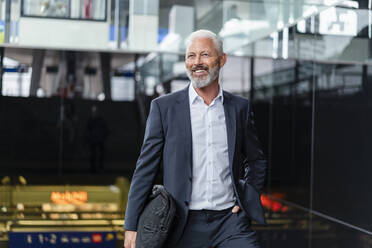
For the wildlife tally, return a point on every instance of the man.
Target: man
(212, 162)
(96, 134)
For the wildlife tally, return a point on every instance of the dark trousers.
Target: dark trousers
(218, 229)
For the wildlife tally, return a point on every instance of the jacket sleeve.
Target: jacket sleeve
(254, 160)
(146, 168)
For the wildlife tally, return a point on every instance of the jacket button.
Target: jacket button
(186, 203)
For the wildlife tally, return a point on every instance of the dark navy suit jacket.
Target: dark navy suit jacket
(168, 141)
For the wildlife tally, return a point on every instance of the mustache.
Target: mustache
(200, 67)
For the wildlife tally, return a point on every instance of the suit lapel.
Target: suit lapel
(230, 126)
(184, 121)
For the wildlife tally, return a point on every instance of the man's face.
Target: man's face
(202, 62)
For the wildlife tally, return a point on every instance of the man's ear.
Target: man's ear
(222, 60)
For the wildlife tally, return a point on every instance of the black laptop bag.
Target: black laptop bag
(155, 221)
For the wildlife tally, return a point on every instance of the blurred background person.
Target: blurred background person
(96, 134)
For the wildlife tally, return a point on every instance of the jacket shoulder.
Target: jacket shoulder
(237, 100)
(169, 99)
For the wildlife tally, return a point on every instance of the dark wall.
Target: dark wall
(31, 138)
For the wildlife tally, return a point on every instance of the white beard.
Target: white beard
(199, 82)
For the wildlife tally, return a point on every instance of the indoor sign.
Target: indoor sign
(69, 197)
(62, 239)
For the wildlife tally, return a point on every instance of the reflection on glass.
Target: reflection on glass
(291, 100)
(341, 146)
(244, 22)
(314, 35)
(74, 9)
(283, 119)
(46, 8)
(326, 233)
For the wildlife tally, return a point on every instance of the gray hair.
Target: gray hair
(203, 33)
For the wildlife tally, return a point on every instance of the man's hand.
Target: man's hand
(130, 239)
(235, 209)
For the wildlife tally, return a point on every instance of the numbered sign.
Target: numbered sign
(62, 239)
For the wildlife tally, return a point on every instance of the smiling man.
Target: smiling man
(213, 165)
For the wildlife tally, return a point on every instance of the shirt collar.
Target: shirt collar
(193, 95)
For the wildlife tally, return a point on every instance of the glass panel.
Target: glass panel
(326, 233)
(349, 28)
(347, 24)
(247, 27)
(342, 138)
(58, 8)
(71, 9)
(288, 226)
(241, 23)
(283, 113)
(293, 226)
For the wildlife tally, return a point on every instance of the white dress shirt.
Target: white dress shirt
(211, 180)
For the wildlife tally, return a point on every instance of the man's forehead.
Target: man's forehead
(204, 43)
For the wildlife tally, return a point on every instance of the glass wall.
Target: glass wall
(72, 9)
(165, 24)
(312, 100)
(316, 133)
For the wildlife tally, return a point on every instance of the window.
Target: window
(65, 9)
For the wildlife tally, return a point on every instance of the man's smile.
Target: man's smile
(200, 71)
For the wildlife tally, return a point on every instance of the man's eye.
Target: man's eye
(190, 56)
(205, 54)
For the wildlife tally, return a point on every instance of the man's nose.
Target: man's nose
(198, 60)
